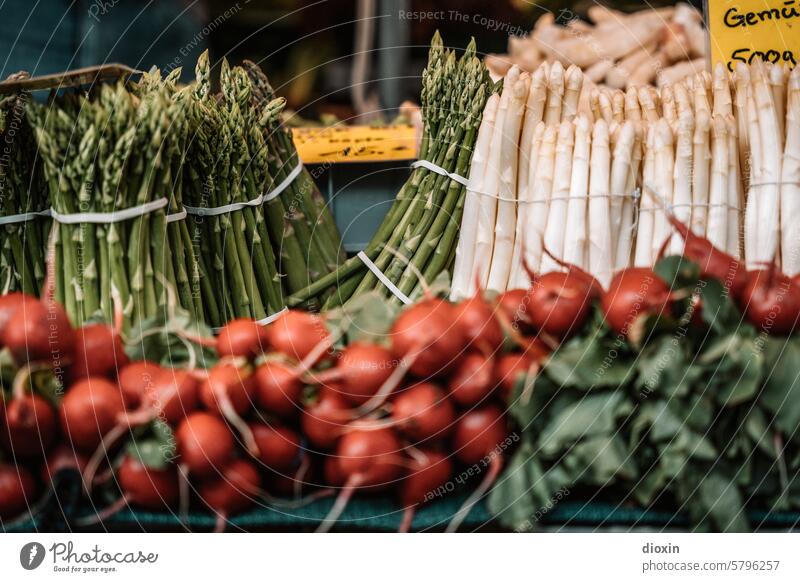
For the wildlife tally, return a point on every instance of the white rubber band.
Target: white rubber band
(257, 201)
(109, 217)
(382, 278)
(439, 170)
(24, 217)
(177, 216)
(270, 318)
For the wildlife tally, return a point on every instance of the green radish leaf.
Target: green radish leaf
(368, 318)
(781, 393)
(161, 340)
(718, 309)
(719, 498)
(589, 363)
(603, 458)
(156, 449)
(677, 271)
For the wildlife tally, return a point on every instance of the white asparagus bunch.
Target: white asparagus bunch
(790, 176)
(600, 254)
(575, 237)
(554, 233)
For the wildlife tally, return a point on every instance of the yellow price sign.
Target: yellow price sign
(355, 143)
(745, 30)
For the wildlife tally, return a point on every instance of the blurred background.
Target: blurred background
(305, 46)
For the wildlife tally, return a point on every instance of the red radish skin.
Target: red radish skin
(146, 487)
(361, 369)
(172, 395)
(205, 444)
(771, 301)
(478, 433)
(135, 379)
(296, 334)
(40, 331)
(278, 446)
(423, 412)
(98, 352)
(368, 457)
(634, 293)
(63, 458)
(236, 489)
(513, 308)
(333, 473)
(242, 338)
(714, 263)
(17, 490)
(91, 408)
(9, 305)
(323, 421)
(427, 472)
(472, 380)
(559, 303)
(429, 336)
(228, 381)
(508, 370)
(278, 389)
(478, 321)
(30, 426)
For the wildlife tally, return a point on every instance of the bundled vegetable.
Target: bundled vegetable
(417, 239)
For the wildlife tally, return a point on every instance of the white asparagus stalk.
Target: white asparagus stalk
(463, 277)
(618, 76)
(600, 260)
(620, 169)
(790, 178)
(618, 106)
(632, 110)
(598, 71)
(534, 113)
(647, 105)
(575, 237)
(723, 104)
(644, 233)
(663, 187)
(679, 71)
(701, 162)
(683, 101)
(701, 102)
(741, 79)
(718, 195)
(518, 278)
(539, 200)
(768, 191)
(572, 93)
(557, 214)
(605, 106)
(505, 225)
(487, 212)
(624, 247)
(777, 82)
(594, 103)
(555, 94)
(734, 190)
(752, 210)
(682, 176)
(646, 72)
(668, 106)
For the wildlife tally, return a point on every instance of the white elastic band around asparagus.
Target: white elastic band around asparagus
(257, 201)
(440, 170)
(24, 217)
(109, 217)
(383, 279)
(264, 321)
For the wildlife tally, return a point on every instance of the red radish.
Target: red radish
(508, 370)
(98, 352)
(9, 305)
(478, 321)
(278, 388)
(368, 456)
(147, 487)
(513, 308)
(429, 335)
(63, 458)
(91, 408)
(634, 294)
(205, 444)
(472, 381)
(324, 420)
(296, 334)
(236, 489)
(771, 301)
(714, 263)
(423, 412)
(559, 303)
(17, 490)
(172, 395)
(242, 337)
(333, 473)
(135, 379)
(30, 426)
(361, 370)
(478, 433)
(278, 446)
(40, 331)
(228, 389)
(427, 471)
(478, 438)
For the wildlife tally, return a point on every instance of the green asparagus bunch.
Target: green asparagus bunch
(417, 238)
(22, 190)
